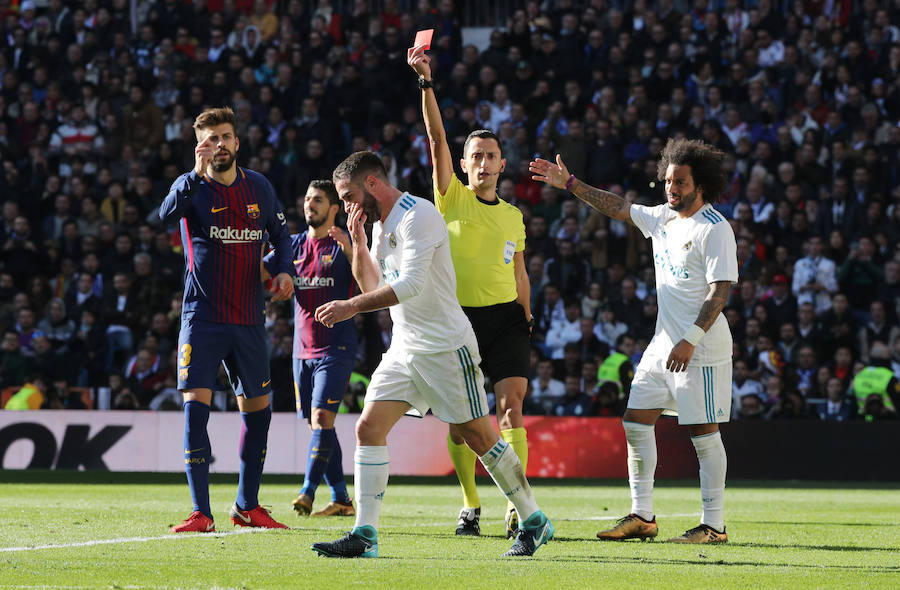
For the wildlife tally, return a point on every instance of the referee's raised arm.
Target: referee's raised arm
(437, 139)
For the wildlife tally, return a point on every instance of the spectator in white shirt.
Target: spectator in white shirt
(608, 328)
(564, 330)
(761, 207)
(733, 127)
(742, 385)
(544, 386)
(771, 51)
(814, 277)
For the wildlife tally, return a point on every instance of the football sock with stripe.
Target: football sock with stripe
(506, 470)
(197, 454)
(253, 456)
(464, 461)
(334, 472)
(370, 477)
(713, 465)
(518, 440)
(641, 439)
(317, 457)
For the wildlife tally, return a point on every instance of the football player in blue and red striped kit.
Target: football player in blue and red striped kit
(224, 212)
(323, 357)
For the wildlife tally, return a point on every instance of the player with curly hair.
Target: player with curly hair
(686, 368)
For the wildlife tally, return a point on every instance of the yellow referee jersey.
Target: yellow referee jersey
(483, 239)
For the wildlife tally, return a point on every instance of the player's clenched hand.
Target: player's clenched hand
(203, 155)
(334, 312)
(356, 223)
(418, 61)
(283, 285)
(680, 356)
(546, 171)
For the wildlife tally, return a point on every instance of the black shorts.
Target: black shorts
(504, 340)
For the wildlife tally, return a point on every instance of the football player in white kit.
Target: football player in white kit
(686, 369)
(433, 358)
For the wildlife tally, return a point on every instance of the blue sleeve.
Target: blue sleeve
(269, 259)
(279, 236)
(179, 196)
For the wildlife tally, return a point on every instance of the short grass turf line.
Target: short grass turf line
(797, 535)
(169, 537)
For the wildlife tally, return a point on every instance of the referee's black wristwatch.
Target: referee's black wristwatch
(423, 83)
(531, 322)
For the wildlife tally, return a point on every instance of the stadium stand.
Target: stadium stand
(97, 99)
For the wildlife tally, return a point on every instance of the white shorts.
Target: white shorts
(700, 395)
(450, 383)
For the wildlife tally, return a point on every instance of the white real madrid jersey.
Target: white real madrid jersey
(412, 251)
(688, 255)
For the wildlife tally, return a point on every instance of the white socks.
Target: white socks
(505, 468)
(641, 440)
(713, 464)
(370, 477)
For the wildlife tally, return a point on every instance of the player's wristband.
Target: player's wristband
(694, 334)
(570, 182)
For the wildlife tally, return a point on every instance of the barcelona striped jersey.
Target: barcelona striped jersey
(323, 274)
(223, 230)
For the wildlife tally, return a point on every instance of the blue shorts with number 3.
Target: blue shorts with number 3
(203, 345)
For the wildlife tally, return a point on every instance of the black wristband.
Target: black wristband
(423, 83)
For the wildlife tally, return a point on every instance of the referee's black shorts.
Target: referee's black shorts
(504, 340)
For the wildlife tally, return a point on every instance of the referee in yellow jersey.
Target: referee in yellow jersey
(487, 240)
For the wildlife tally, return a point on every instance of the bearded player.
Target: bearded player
(686, 369)
(224, 212)
(323, 356)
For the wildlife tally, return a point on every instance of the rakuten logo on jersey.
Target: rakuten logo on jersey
(313, 282)
(230, 235)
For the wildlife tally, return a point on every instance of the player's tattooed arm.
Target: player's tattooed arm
(713, 305)
(603, 201)
(557, 175)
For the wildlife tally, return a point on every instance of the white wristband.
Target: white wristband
(694, 334)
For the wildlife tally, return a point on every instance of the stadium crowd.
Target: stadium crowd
(97, 104)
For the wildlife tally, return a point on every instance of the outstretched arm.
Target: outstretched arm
(713, 305)
(434, 125)
(557, 175)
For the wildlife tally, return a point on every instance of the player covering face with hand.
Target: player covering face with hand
(686, 368)
(432, 362)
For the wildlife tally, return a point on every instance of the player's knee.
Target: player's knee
(322, 418)
(456, 436)
(367, 432)
(479, 440)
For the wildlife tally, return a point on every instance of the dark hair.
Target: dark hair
(482, 134)
(359, 164)
(213, 117)
(705, 162)
(327, 187)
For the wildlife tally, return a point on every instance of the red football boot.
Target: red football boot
(258, 517)
(197, 522)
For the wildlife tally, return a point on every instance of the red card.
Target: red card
(424, 38)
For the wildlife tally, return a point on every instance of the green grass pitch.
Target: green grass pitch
(90, 530)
